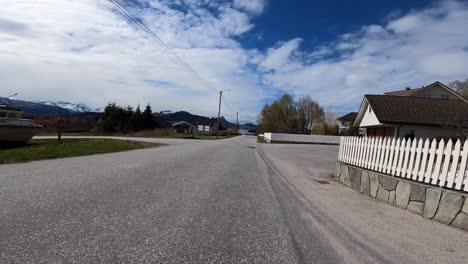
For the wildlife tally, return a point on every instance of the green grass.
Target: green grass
(51, 149)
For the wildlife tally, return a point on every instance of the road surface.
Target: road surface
(227, 201)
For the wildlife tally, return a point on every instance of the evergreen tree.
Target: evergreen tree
(148, 119)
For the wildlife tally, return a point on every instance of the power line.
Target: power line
(166, 49)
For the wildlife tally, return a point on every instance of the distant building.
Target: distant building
(431, 111)
(346, 121)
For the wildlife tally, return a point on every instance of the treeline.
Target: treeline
(304, 116)
(124, 119)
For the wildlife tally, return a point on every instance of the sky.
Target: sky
(86, 51)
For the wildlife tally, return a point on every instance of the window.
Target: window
(370, 109)
(444, 96)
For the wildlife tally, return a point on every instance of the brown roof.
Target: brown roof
(407, 92)
(348, 117)
(417, 110)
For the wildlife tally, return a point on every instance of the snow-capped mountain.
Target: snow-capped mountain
(78, 108)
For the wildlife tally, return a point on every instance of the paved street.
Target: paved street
(227, 201)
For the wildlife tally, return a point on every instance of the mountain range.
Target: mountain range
(40, 108)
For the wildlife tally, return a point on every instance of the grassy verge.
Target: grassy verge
(52, 149)
(146, 134)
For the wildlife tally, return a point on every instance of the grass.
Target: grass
(156, 133)
(38, 149)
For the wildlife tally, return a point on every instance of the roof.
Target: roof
(416, 110)
(406, 92)
(182, 123)
(348, 117)
(415, 92)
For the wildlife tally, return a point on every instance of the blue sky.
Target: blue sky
(318, 22)
(335, 51)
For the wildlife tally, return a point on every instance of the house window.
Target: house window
(370, 109)
(444, 96)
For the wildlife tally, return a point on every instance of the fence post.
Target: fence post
(445, 167)
(440, 155)
(453, 169)
(430, 165)
(461, 173)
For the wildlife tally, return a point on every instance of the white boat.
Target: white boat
(14, 129)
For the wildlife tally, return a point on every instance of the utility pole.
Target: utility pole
(219, 111)
(219, 114)
(238, 123)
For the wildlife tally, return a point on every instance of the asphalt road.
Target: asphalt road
(227, 201)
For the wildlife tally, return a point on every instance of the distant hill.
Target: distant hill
(78, 108)
(249, 126)
(48, 108)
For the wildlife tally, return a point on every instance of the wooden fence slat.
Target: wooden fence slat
(390, 156)
(346, 150)
(404, 171)
(378, 149)
(430, 165)
(355, 151)
(360, 152)
(384, 154)
(372, 155)
(453, 169)
(397, 157)
(418, 159)
(461, 173)
(446, 163)
(401, 151)
(411, 159)
(422, 168)
(440, 156)
(366, 152)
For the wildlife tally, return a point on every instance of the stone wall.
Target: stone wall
(441, 205)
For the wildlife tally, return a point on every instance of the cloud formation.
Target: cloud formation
(86, 51)
(418, 48)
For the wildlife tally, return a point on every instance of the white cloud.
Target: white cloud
(412, 50)
(84, 51)
(251, 6)
(81, 51)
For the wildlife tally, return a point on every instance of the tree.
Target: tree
(460, 87)
(136, 119)
(148, 119)
(328, 126)
(309, 113)
(288, 116)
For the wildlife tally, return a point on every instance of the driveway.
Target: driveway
(226, 201)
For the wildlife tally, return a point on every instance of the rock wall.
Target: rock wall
(444, 206)
(301, 139)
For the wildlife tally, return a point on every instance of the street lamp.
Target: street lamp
(219, 111)
(15, 94)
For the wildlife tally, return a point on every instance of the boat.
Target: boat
(13, 128)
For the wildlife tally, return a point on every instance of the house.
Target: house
(346, 121)
(205, 128)
(183, 127)
(427, 112)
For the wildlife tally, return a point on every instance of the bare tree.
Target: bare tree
(309, 113)
(460, 87)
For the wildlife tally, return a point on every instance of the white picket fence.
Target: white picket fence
(438, 163)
